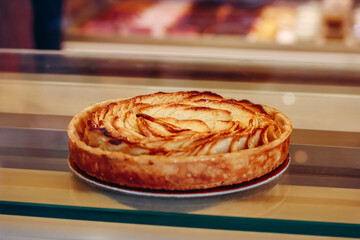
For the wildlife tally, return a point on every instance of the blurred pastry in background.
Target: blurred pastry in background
(336, 15)
(275, 24)
(308, 22)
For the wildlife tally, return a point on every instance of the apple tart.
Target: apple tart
(178, 141)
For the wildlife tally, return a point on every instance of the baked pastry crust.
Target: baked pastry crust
(178, 141)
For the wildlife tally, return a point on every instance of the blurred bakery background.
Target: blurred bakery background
(100, 25)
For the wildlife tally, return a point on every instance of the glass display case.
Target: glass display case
(318, 196)
(296, 25)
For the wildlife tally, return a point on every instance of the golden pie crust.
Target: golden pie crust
(178, 141)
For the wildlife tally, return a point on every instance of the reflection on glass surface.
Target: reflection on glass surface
(301, 156)
(189, 205)
(289, 98)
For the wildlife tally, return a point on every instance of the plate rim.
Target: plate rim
(271, 176)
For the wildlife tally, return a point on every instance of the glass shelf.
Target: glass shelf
(319, 195)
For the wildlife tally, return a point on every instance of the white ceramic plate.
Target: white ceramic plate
(266, 179)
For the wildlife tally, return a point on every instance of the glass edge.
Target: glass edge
(187, 220)
(323, 59)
